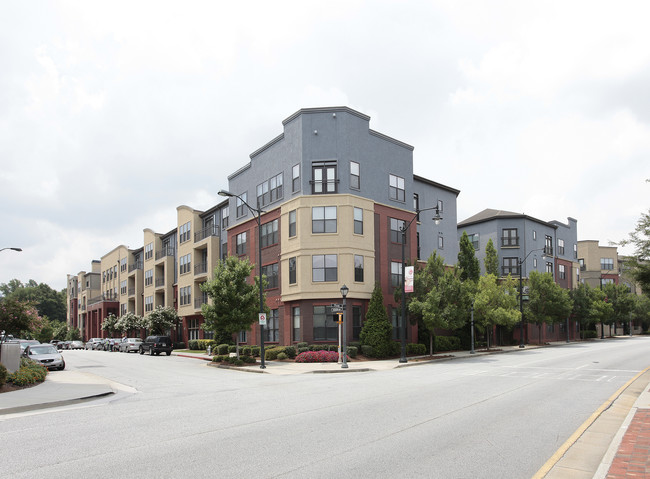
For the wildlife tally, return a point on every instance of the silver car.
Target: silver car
(46, 354)
(130, 345)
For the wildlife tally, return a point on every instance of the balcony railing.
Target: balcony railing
(548, 250)
(166, 251)
(212, 230)
(160, 282)
(134, 266)
(201, 268)
(199, 301)
(103, 297)
(510, 241)
(131, 291)
(513, 270)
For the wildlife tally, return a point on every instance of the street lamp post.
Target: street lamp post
(521, 295)
(437, 219)
(259, 212)
(472, 329)
(344, 293)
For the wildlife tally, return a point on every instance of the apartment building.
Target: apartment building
(599, 265)
(526, 244)
(81, 289)
(335, 196)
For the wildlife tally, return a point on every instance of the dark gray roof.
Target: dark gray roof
(491, 214)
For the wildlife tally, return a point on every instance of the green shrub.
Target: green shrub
(30, 372)
(589, 334)
(255, 350)
(248, 359)
(222, 349)
(202, 344)
(377, 328)
(3, 374)
(179, 345)
(302, 350)
(416, 349)
(352, 351)
(355, 344)
(246, 351)
(193, 344)
(282, 356)
(447, 343)
(232, 348)
(395, 348)
(366, 350)
(272, 353)
(290, 351)
(319, 347)
(301, 345)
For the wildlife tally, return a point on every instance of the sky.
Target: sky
(112, 114)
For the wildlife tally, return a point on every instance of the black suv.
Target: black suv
(157, 345)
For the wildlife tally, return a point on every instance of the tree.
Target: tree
(621, 300)
(109, 324)
(446, 303)
(235, 302)
(377, 329)
(160, 320)
(469, 266)
(582, 305)
(73, 334)
(17, 316)
(641, 312)
(47, 301)
(549, 302)
(602, 309)
(495, 304)
(639, 263)
(59, 330)
(129, 322)
(45, 333)
(491, 260)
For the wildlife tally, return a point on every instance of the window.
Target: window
(395, 274)
(534, 235)
(324, 178)
(192, 329)
(269, 233)
(561, 271)
(581, 261)
(148, 304)
(241, 336)
(269, 191)
(240, 243)
(122, 309)
(325, 329)
(292, 270)
(184, 232)
(295, 178)
(396, 227)
(356, 322)
(240, 204)
(397, 323)
(225, 214)
(355, 181)
(292, 223)
(185, 294)
(560, 246)
(548, 245)
(148, 251)
(509, 237)
(271, 273)
(474, 239)
(510, 266)
(123, 287)
(606, 281)
(185, 263)
(272, 327)
(148, 277)
(358, 268)
(324, 267)
(549, 267)
(575, 251)
(416, 204)
(396, 187)
(441, 242)
(358, 221)
(123, 265)
(295, 320)
(323, 219)
(606, 263)
(417, 239)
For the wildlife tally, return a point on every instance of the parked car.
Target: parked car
(46, 354)
(65, 345)
(92, 343)
(76, 345)
(130, 344)
(27, 342)
(156, 345)
(113, 344)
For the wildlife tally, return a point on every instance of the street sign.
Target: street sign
(336, 310)
(262, 319)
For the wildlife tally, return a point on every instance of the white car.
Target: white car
(130, 345)
(92, 342)
(46, 354)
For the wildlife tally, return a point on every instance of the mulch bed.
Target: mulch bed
(8, 387)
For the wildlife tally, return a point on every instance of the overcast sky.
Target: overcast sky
(112, 114)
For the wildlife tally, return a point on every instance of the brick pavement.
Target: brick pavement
(633, 456)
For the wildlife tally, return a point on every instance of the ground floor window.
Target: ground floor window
(325, 327)
(295, 318)
(192, 329)
(272, 326)
(242, 336)
(356, 322)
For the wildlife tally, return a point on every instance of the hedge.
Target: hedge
(317, 357)
(3, 375)
(447, 343)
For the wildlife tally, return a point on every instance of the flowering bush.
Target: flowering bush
(318, 357)
(30, 372)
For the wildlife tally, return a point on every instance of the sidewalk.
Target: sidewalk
(613, 443)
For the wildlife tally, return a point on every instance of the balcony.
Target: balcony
(134, 266)
(513, 270)
(510, 241)
(548, 250)
(201, 268)
(160, 282)
(166, 251)
(200, 301)
(131, 291)
(212, 230)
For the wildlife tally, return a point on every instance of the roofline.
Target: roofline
(436, 184)
(326, 109)
(392, 140)
(495, 217)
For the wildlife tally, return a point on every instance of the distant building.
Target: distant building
(599, 265)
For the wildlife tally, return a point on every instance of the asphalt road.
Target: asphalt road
(496, 416)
